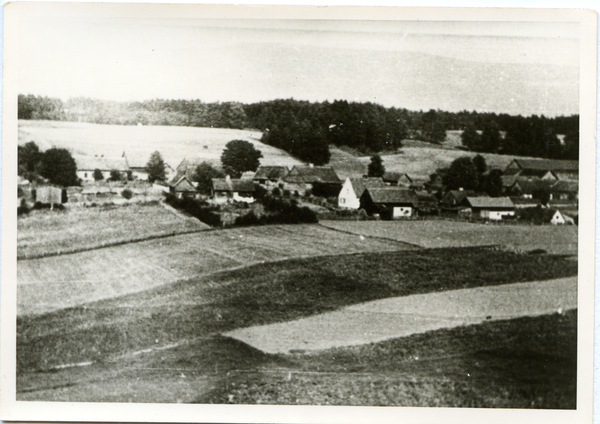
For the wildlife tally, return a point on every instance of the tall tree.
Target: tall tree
(376, 168)
(462, 174)
(433, 128)
(571, 147)
(241, 156)
(29, 157)
(59, 167)
(480, 164)
(490, 138)
(156, 167)
(470, 138)
(98, 175)
(204, 174)
(492, 183)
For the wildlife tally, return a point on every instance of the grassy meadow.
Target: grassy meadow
(51, 283)
(174, 143)
(442, 233)
(160, 334)
(45, 232)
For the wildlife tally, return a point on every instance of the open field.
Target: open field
(43, 232)
(164, 345)
(442, 233)
(174, 143)
(51, 283)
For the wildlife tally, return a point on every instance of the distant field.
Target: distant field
(44, 232)
(57, 282)
(553, 239)
(174, 143)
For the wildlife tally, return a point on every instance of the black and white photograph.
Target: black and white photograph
(210, 211)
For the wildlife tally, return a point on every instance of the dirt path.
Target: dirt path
(402, 316)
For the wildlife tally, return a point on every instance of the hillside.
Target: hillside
(174, 143)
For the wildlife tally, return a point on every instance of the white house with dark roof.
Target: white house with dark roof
(390, 202)
(353, 188)
(492, 208)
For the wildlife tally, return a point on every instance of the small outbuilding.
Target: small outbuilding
(390, 202)
(183, 187)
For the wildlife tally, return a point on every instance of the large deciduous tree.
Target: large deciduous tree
(204, 174)
(29, 157)
(58, 166)
(156, 167)
(470, 138)
(462, 174)
(240, 156)
(376, 168)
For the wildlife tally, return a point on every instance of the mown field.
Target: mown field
(174, 143)
(441, 233)
(164, 344)
(45, 232)
(51, 283)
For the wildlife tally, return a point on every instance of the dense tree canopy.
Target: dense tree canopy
(376, 168)
(98, 176)
(204, 174)
(29, 157)
(156, 167)
(58, 166)
(462, 174)
(240, 156)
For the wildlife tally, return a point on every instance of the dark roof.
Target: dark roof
(313, 174)
(395, 176)
(361, 184)
(528, 186)
(564, 186)
(460, 195)
(548, 164)
(509, 180)
(490, 202)
(183, 184)
(271, 172)
(223, 184)
(393, 195)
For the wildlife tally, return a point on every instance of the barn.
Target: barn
(390, 202)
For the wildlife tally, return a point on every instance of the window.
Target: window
(85, 175)
(342, 200)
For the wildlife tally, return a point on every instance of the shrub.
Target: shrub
(40, 205)
(22, 209)
(127, 194)
(286, 193)
(276, 192)
(326, 190)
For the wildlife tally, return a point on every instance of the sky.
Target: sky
(509, 67)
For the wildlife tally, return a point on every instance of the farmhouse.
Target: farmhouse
(227, 189)
(529, 188)
(397, 179)
(353, 188)
(454, 198)
(183, 187)
(270, 174)
(390, 202)
(137, 166)
(493, 208)
(546, 169)
(86, 165)
(565, 190)
(303, 178)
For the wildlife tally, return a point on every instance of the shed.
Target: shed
(390, 202)
(183, 187)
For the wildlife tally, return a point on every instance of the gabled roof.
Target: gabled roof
(528, 186)
(91, 163)
(547, 164)
(312, 174)
(490, 202)
(564, 186)
(509, 180)
(271, 172)
(223, 184)
(460, 195)
(359, 185)
(395, 176)
(183, 184)
(392, 195)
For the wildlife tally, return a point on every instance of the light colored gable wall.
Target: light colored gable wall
(347, 197)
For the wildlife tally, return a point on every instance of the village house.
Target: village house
(224, 190)
(270, 175)
(188, 166)
(529, 188)
(137, 166)
(86, 165)
(545, 169)
(565, 190)
(304, 178)
(397, 179)
(492, 208)
(453, 198)
(353, 188)
(390, 202)
(183, 187)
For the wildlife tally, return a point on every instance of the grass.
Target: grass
(434, 234)
(52, 283)
(260, 294)
(521, 363)
(174, 143)
(44, 232)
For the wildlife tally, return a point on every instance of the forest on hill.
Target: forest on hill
(305, 129)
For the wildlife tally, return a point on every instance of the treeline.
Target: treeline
(306, 129)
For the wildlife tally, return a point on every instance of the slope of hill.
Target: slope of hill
(174, 143)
